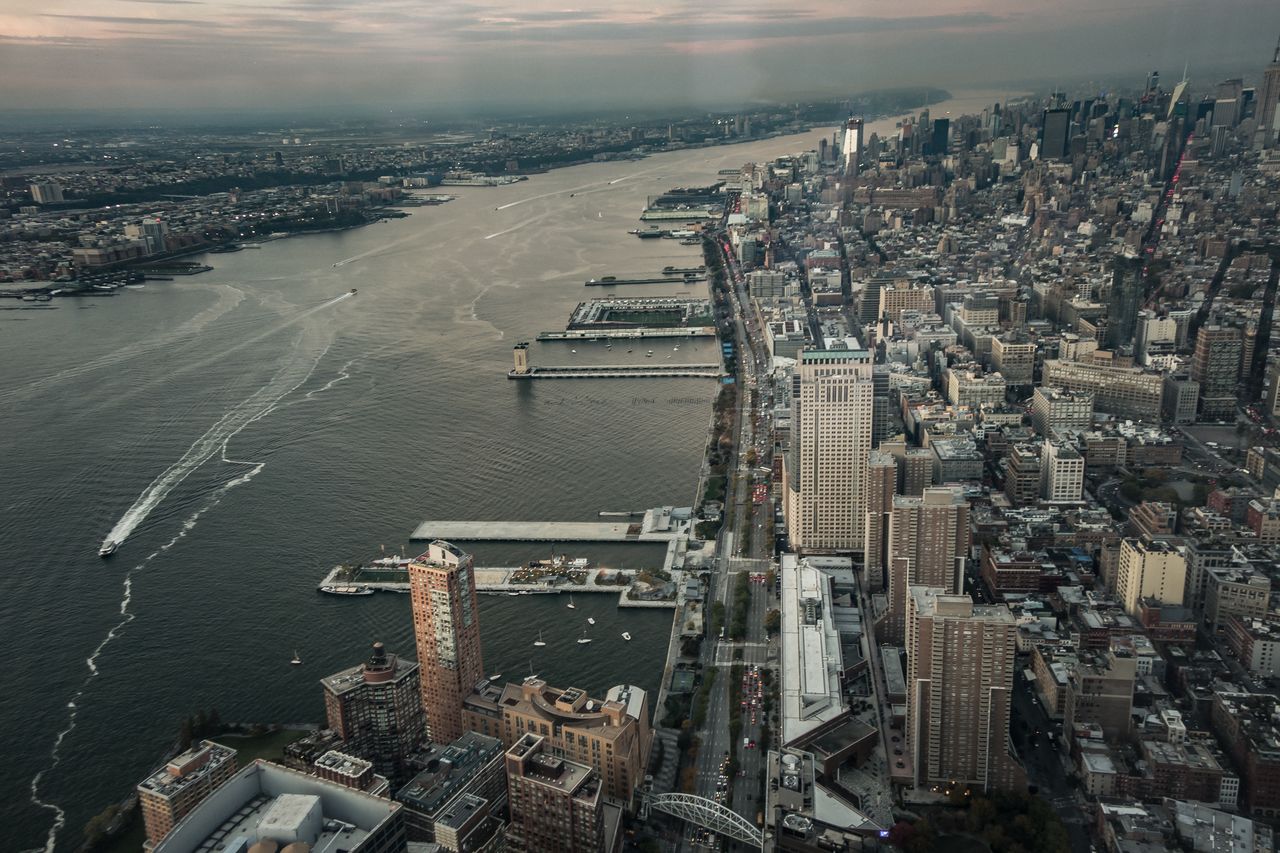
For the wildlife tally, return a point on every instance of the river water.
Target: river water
(244, 430)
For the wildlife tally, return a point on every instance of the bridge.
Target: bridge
(708, 815)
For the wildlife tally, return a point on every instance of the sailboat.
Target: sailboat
(572, 606)
(591, 620)
(532, 675)
(297, 661)
(539, 642)
(584, 638)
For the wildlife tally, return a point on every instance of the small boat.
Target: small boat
(513, 593)
(675, 349)
(650, 352)
(584, 639)
(296, 661)
(573, 350)
(108, 548)
(626, 636)
(591, 620)
(495, 676)
(630, 350)
(538, 642)
(572, 606)
(352, 291)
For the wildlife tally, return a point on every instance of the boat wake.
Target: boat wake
(126, 615)
(215, 439)
(342, 376)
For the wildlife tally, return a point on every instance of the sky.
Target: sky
(417, 55)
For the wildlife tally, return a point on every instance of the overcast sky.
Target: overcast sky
(411, 54)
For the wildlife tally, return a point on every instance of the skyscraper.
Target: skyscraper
(940, 140)
(1267, 110)
(1215, 364)
(960, 666)
(851, 146)
(928, 543)
(1054, 134)
(376, 708)
(825, 498)
(446, 624)
(1125, 300)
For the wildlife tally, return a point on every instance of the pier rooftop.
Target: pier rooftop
(662, 524)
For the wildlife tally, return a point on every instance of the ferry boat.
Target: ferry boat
(348, 590)
(108, 548)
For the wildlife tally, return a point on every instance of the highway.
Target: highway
(739, 551)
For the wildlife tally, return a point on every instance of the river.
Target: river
(243, 430)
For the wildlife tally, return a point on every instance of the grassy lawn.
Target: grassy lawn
(269, 746)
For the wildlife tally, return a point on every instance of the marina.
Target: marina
(621, 371)
(627, 334)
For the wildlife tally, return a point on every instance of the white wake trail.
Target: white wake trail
(91, 663)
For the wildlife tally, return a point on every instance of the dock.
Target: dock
(609, 282)
(628, 334)
(539, 531)
(619, 371)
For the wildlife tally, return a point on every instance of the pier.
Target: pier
(521, 369)
(628, 334)
(619, 371)
(540, 531)
(609, 282)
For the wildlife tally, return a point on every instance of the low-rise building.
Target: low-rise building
(170, 793)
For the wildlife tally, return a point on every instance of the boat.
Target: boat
(573, 351)
(538, 642)
(348, 590)
(591, 620)
(108, 548)
(495, 676)
(513, 593)
(584, 639)
(626, 636)
(572, 606)
(296, 661)
(352, 291)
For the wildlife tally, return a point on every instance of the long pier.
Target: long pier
(540, 531)
(629, 334)
(618, 371)
(670, 279)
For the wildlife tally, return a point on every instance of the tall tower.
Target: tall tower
(1054, 134)
(851, 147)
(928, 544)
(1268, 108)
(446, 624)
(960, 666)
(1125, 300)
(376, 708)
(825, 498)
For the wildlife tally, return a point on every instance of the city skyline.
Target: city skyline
(144, 56)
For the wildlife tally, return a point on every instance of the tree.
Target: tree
(773, 621)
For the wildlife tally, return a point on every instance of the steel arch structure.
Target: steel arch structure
(709, 815)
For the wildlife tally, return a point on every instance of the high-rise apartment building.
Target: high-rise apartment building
(172, 792)
(960, 668)
(46, 192)
(376, 708)
(928, 543)
(1149, 568)
(825, 498)
(882, 485)
(1124, 302)
(1215, 364)
(1054, 134)
(446, 624)
(556, 804)
(613, 736)
(1022, 474)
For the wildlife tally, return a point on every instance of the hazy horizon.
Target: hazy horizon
(155, 57)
